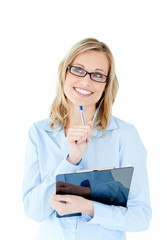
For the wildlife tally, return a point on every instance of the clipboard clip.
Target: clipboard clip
(94, 169)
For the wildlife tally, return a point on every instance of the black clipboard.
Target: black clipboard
(108, 186)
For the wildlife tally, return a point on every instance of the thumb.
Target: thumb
(90, 123)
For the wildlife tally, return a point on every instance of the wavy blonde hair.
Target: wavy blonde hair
(60, 110)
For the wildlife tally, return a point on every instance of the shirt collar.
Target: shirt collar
(111, 126)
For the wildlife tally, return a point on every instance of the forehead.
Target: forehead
(93, 60)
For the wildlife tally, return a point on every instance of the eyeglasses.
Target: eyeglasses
(95, 76)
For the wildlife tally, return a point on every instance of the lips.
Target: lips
(83, 91)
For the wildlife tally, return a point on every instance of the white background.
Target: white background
(35, 36)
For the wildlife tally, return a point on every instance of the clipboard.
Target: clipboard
(105, 185)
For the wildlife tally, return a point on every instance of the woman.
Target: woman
(62, 144)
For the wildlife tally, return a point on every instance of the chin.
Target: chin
(81, 103)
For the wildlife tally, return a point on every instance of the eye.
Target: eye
(97, 75)
(78, 70)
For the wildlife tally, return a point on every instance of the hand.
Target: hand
(72, 204)
(78, 138)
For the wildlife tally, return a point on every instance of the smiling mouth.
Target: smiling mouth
(82, 91)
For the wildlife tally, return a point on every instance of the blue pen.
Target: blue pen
(82, 115)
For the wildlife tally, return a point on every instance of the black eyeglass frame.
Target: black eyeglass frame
(86, 72)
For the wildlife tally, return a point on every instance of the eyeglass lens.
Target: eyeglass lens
(82, 73)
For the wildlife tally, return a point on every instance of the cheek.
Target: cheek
(68, 86)
(65, 89)
(66, 83)
(101, 89)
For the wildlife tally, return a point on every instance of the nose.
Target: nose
(87, 79)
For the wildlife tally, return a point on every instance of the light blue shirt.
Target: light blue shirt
(46, 157)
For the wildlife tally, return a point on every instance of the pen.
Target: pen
(82, 115)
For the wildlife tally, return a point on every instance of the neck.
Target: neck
(74, 118)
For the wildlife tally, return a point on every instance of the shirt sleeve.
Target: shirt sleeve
(37, 192)
(136, 216)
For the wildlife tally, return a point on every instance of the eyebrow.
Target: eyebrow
(97, 69)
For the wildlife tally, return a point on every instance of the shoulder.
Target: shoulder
(120, 125)
(43, 124)
(40, 126)
(127, 132)
(124, 130)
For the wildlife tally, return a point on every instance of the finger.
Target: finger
(84, 133)
(76, 140)
(77, 137)
(58, 206)
(75, 132)
(53, 194)
(54, 202)
(61, 208)
(90, 124)
(66, 198)
(76, 128)
(84, 127)
(79, 133)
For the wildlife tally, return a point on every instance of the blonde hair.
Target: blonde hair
(60, 109)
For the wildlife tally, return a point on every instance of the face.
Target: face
(83, 91)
